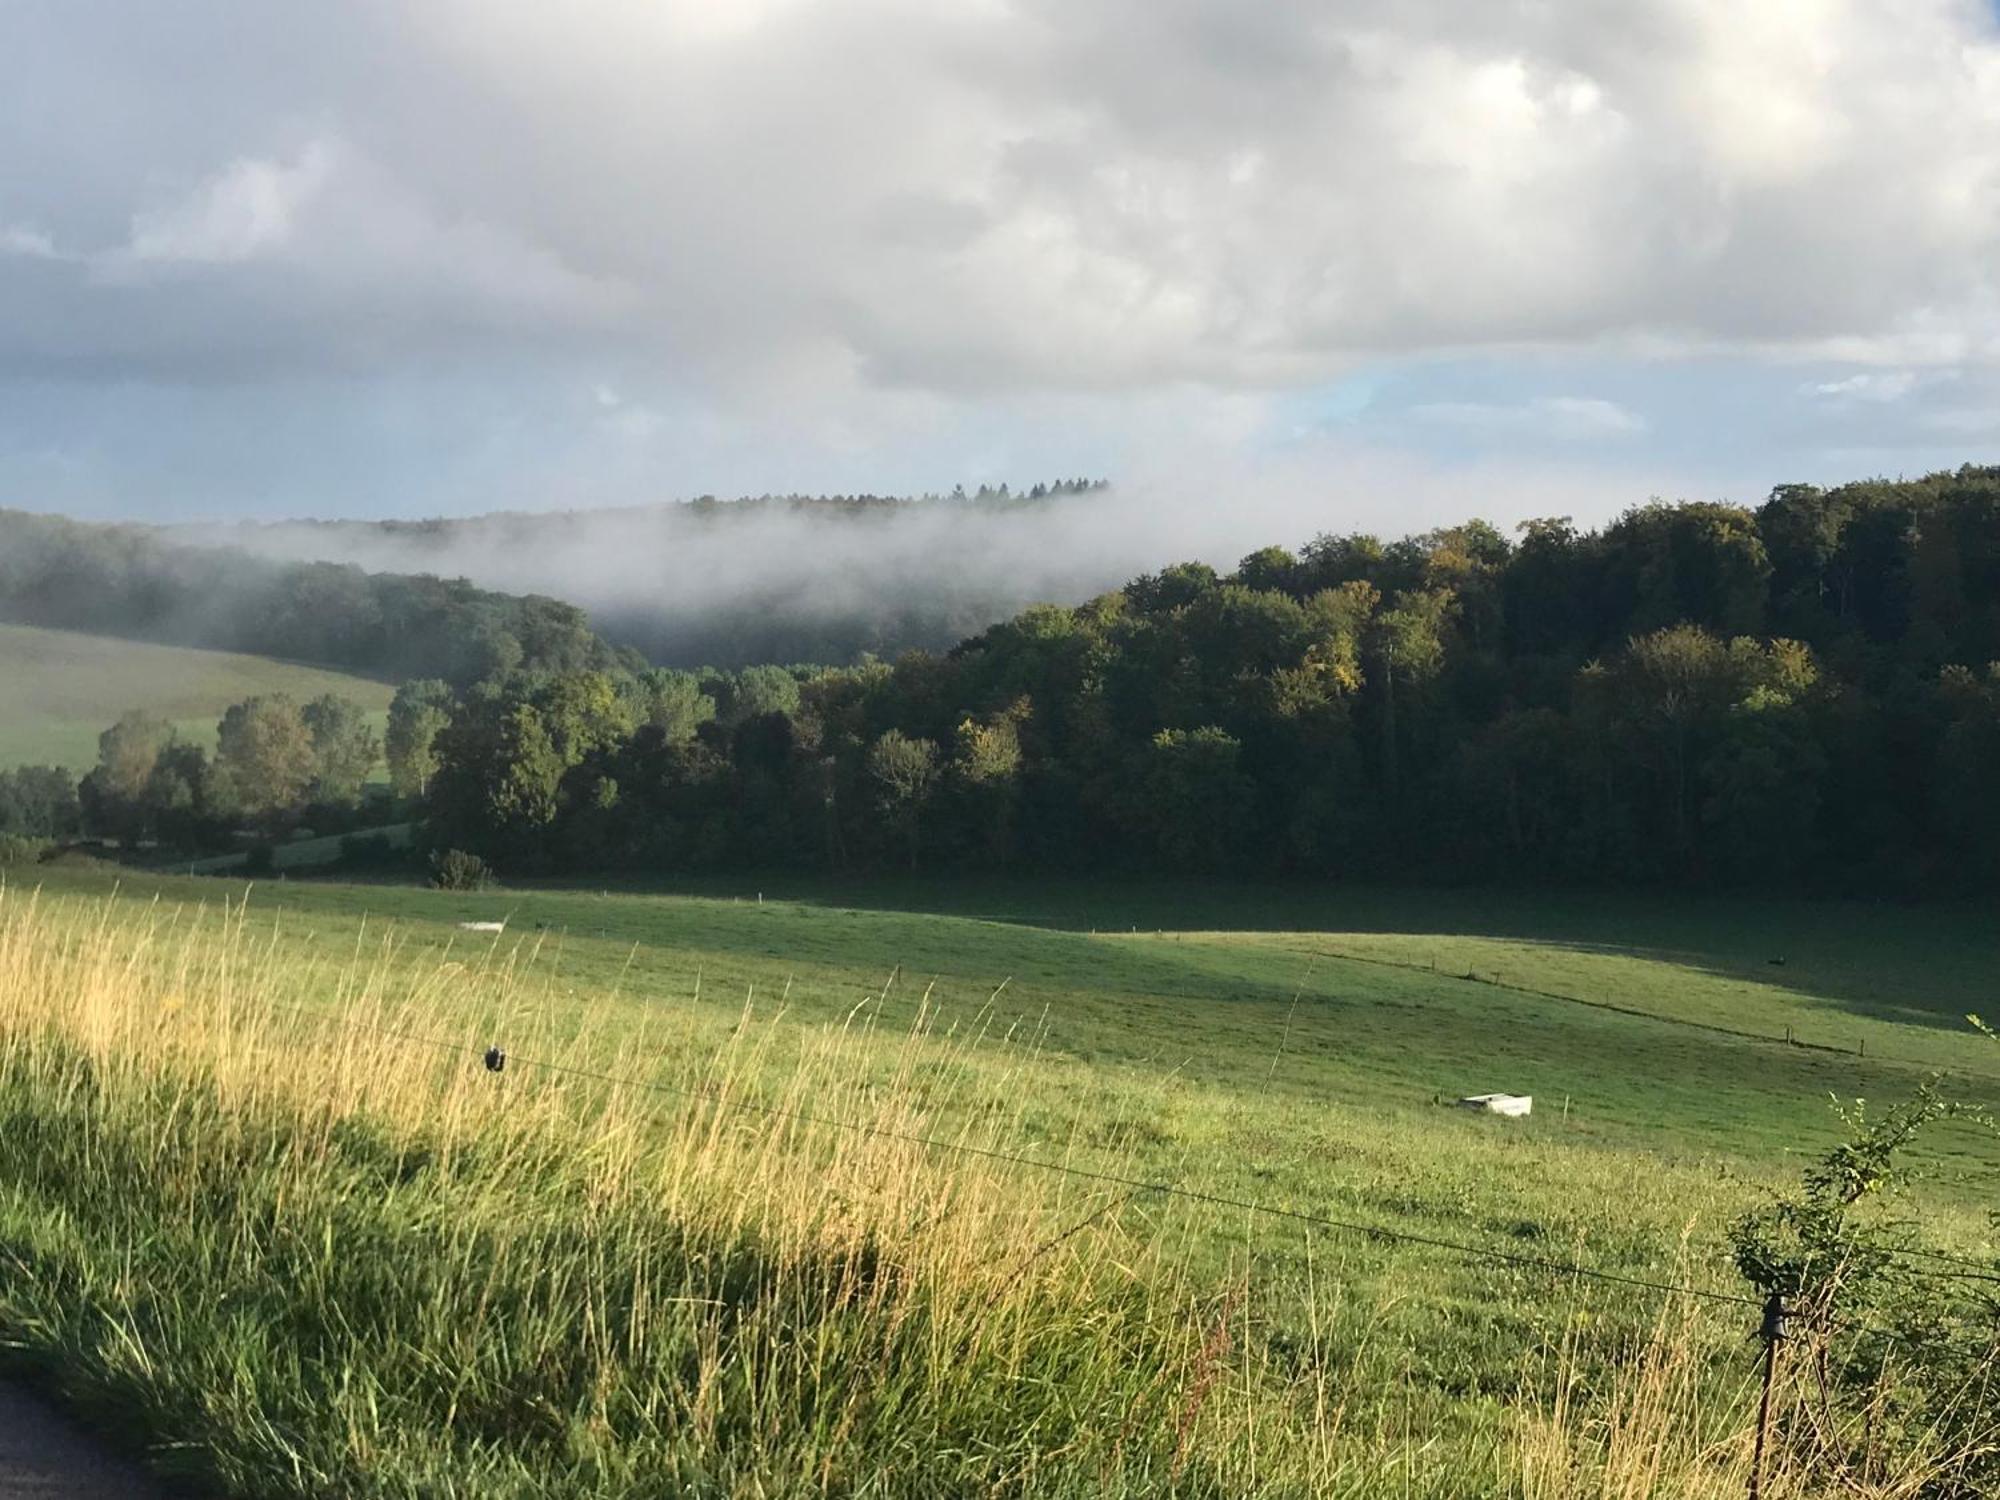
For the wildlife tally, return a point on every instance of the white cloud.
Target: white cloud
(1007, 195)
(1881, 387)
(249, 209)
(333, 218)
(1566, 418)
(27, 242)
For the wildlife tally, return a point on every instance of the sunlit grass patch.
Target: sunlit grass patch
(261, 1199)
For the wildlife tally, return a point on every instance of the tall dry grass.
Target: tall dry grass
(271, 1218)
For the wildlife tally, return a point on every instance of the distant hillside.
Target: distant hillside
(776, 577)
(61, 689)
(133, 581)
(1806, 695)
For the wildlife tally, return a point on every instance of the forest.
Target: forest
(733, 583)
(1803, 696)
(132, 581)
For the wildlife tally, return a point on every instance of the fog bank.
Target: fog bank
(789, 578)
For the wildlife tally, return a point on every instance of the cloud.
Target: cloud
(1566, 418)
(1882, 387)
(251, 208)
(332, 220)
(27, 242)
(997, 195)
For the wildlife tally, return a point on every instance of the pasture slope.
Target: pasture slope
(61, 689)
(854, 1312)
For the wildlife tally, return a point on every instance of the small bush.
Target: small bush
(19, 849)
(456, 870)
(261, 860)
(1902, 1355)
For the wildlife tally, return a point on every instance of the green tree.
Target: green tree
(762, 690)
(904, 773)
(180, 798)
(1329, 561)
(39, 802)
(674, 703)
(1269, 568)
(503, 758)
(345, 749)
(1407, 644)
(583, 713)
(986, 770)
(417, 715)
(1170, 588)
(113, 795)
(1194, 803)
(1546, 592)
(126, 753)
(528, 772)
(264, 758)
(488, 652)
(1671, 683)
(1715, 727)
(1700, 563)
(1967, 793)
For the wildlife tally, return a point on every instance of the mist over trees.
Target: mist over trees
(735, 583)
(129, 581)
(1802, 696)
(1805, 695)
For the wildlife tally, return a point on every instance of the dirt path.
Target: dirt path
(43, 1457)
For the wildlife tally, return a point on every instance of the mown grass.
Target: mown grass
(60, 690)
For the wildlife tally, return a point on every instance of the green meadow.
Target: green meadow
(1295, 1050)
(60, 689)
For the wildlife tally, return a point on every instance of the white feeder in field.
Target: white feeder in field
(1500, 1104)
(482, 926)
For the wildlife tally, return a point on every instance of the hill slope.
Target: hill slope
(1085, 1088)
(61, 689)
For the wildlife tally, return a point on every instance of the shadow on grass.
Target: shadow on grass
(1913, 965)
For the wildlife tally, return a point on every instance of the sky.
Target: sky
(1414, 259)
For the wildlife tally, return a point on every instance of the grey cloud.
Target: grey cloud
(994, 194)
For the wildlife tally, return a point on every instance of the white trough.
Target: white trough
(1500, 1104)
(482, 926)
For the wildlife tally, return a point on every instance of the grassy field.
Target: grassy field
(59, 690)
(237, 1213)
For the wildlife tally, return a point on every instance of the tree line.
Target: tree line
(277, 766)
(1804, 695)
(130, 581)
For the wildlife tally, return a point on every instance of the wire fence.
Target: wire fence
(496, 1059)
(1493, 980)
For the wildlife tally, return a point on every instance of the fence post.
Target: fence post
(1772, 1333)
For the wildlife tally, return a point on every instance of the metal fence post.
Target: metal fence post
(1772, 1333)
